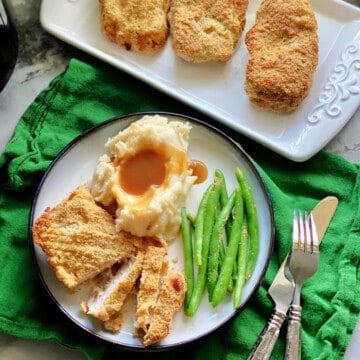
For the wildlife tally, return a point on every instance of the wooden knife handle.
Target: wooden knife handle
(267, 339)
(293, 337)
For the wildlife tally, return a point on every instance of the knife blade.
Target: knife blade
(323, 214)
(282, 289)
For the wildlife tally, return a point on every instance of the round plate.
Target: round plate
(75, 165)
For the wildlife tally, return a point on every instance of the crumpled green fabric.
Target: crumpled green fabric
(85, 95)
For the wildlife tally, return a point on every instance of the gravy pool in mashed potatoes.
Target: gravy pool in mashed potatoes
(146, 175)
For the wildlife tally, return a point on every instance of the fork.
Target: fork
(302, 264)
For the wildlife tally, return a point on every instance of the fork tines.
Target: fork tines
(304, 228)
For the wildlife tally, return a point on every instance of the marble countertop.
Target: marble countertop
(41, 58)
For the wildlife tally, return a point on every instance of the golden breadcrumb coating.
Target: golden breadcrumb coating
(79, 238)
(170, 301)
(283, 47)
(206, 30)
(114, 323)
(136, 24)
(149, 285)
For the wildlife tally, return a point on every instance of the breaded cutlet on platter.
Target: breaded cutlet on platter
(283, 46)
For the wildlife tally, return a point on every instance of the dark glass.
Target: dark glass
(8, 45)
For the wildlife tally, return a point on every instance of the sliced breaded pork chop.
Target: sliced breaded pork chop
(171, 299)
(149, 287)
(283, 46)
(136, 24)
(206, 30)
(79, 238)
(111, 291)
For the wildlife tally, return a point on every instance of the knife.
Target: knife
(282, 290)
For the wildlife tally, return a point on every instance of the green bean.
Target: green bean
(211, 210)
(200, 283)
(224, 278)
(221, 253)
(231, 281)
(253, 224)
(199, 225)
(242, 263)
(215, 242)
(223, 193)
(186, 229)
(224, 197)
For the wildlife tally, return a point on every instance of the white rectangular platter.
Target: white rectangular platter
(217, 89)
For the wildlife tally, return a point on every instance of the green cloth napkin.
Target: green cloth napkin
(85, 95)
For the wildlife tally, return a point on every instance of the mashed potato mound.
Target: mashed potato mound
(152, 210)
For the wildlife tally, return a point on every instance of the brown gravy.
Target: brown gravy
(144, 169)
(199, 169)
(149, 168)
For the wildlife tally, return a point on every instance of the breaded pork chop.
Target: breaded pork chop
(79, 238)
(206, 30)
(136, 24)
(113, 286)
(283, 48)
(149, 287)
(171, 299)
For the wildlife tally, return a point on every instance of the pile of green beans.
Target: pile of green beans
(221, 243)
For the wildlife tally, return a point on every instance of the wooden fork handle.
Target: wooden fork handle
(267, 339)
(293, 337)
